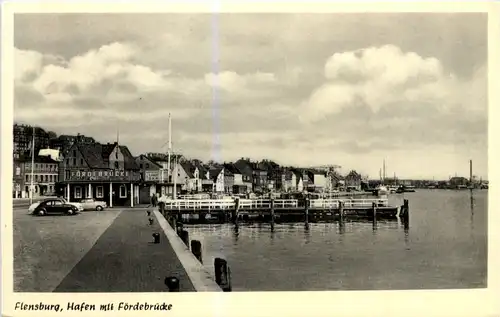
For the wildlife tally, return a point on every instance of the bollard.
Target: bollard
(161, 206)
(306, 209)
(406, 215)
(149, 213)
(184, 234)
(151, 221)
(374, 211)
(272, 214)
(341, 212)
(196, 250)
(172, 283)
(222, 274)
(156, 237)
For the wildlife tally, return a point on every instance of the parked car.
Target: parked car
(92, 204)
(33, 206)
(55, 206)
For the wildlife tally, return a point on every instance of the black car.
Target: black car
(55, 206)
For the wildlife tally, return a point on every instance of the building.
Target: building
(216, 174)
(54, 154)
(45, 176)
(17, 179)
(64, 142)
(239, 187)
(458, 182)
(245, 168)
(149, 171)
(193, 181)
(353, 180)
(102, 171)
(319, 180)
(164, 177)
(23, 137)
(297, 180)
(273, 173)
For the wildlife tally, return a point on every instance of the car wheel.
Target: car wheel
(42, 212)
(98, 208)
(71, 212)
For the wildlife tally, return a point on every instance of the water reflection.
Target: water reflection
(307, 234)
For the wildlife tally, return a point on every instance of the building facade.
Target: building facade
(105, 172)
(23, 137)
(353, 180)
(45, 176)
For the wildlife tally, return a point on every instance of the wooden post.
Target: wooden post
(173, 222)
(306, 210)
(341, 212)
(196, 250)
(222, 274)
(172, 283)
(185, 237)
(151, 221)
(406, 215)
(236, 211)
(374, 211)
(272, 214)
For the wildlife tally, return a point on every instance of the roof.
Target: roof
(353, 174)
(231, 168)
(144, 157)
(39, 159)
(189, 168)
(97, 155)
(244, 167)
(214, 172)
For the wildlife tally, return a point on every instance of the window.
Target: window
(74, 161)
(57, 203)
(100, 192)
(81, 161)
(100, 173)
(140, 166)
(27, 178)
(147, 165)
(74, 154)
(116, 164)
(123, 191)
(56, 178)
(78, 192)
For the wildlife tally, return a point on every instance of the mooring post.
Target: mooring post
(272, 214)
(306, 209)
(236, 211)
(341, 212)
(156, 238)
(406, 215)
(161, 206)
(374, 211)
(196, 250)
(151, 221)
(185, 237)
(172, 283)
(222, 274)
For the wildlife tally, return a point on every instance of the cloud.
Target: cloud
(300, 89)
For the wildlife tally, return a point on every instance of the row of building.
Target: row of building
(79, 167)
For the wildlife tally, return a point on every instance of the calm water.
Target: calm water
(444, 247)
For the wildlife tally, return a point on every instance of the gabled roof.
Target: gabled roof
(96, 155)
(38, 159)
(189, 168)
(231, 168)
(143, 157)
(244, 166)
(214, 172)
(353, 173)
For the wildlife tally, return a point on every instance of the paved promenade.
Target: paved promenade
(124, 259)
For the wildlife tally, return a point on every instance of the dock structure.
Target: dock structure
(278, 210)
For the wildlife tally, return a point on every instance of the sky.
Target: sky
(301, 89)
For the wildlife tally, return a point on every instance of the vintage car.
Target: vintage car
(33, 206)
(92, 204)
(55, 206)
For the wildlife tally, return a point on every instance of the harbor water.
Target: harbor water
(445, 247)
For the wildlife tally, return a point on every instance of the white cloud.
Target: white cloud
(379, 77)
(26, 63)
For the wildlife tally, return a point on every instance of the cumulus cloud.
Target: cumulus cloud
(292, 89)
(385, 76)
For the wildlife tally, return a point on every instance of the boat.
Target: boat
(405, 189)
(381, 190)
(393, 189)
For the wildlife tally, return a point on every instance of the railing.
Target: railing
(223, 204)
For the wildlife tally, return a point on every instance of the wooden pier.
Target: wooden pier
(278, 210)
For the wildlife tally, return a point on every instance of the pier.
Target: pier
(277, 210)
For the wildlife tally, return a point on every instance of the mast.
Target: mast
(175, 178)
(32, 165)
(169, 150)
(383, 175)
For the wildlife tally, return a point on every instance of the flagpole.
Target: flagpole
(32, 165)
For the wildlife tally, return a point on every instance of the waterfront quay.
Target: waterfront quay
(109, 251)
